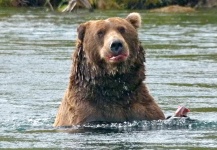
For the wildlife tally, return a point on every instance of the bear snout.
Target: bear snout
(116, 47)
(118, 51)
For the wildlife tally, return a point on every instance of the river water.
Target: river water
(35, 61)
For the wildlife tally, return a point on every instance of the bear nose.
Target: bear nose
(116, 46)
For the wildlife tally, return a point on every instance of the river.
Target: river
(35, 61)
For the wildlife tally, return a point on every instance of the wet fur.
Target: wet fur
(99, 91)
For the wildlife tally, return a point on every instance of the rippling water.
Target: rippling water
(35, 52)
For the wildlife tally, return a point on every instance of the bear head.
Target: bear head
(110, 45)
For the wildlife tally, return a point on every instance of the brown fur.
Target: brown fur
(103, 90)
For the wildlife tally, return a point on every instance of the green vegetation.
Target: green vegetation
(104, 4)
(5, 2)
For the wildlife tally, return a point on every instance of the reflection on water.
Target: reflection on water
(35, 51)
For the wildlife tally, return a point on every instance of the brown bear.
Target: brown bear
(106, 81)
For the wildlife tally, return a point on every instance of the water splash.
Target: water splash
(175, 123)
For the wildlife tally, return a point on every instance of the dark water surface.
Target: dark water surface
(35, 52)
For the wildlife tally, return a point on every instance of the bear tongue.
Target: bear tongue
(118, 57)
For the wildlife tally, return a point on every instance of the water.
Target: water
(35, 52)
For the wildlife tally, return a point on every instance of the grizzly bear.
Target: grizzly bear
(106, 81)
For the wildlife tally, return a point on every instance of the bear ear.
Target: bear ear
(134, 19)
(81, 30)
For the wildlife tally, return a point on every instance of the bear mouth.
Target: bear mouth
(118, 58)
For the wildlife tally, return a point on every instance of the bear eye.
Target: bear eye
(100, 33)
(121, 29)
